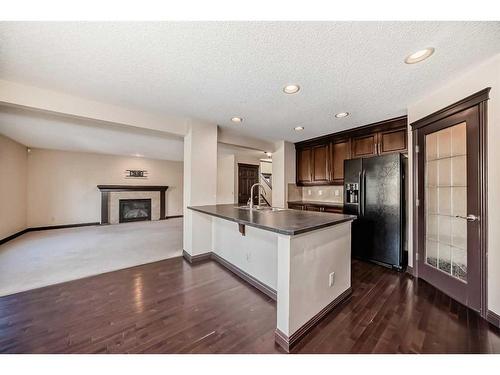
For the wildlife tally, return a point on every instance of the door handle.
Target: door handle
(364, 193)
(469, 217)
(359, 194)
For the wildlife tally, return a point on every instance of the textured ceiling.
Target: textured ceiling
(216, 70)
(41, 130)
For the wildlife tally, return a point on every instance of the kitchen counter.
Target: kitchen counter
(288, 222)
(302, 259)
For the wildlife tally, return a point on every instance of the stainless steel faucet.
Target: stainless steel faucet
(251, 194)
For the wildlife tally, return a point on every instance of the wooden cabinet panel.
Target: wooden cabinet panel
(304, 161)
(392, 141)
(313, 208)
(334, 210)
(364, 146)
(341, 150)
(321, 163)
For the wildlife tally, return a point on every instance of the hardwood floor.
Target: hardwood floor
(173, 307)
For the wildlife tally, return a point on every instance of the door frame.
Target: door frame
(478, 99)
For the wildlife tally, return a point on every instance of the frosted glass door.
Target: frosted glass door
(446, 201)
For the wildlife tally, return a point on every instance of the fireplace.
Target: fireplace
(135, 210)
(112, 194)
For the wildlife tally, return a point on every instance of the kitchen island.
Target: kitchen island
(301, 259)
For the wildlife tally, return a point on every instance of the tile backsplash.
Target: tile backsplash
(316, 193)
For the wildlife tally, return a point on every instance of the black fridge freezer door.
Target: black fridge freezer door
(381, 209)
(352, 173)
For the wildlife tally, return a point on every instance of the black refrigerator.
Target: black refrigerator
(375, 190)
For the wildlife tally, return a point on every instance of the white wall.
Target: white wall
(227, 171)
(266, 167)
(485, 75)
(62, 185)
(200, 185)
(283, 172)
(226, 177)
(255, 252)
(302, 293)
(13, 178)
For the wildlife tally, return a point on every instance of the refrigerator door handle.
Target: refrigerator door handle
(363, 192)
(359, 196)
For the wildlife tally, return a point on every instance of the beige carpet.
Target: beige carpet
(43, 258)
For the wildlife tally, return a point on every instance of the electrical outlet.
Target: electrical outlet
(320, 192)
(337, 193)
(331, 279)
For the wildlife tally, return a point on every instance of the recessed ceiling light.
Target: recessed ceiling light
(342, 114)
(298, 128)
(237, 120)
(419, 55)
(291, 89)
(269, 154)
(138, 155)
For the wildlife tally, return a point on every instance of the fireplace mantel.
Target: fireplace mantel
(106, 189)
(132, 188)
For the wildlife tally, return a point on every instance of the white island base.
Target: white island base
(308, 274)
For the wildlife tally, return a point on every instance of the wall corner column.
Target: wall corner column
(283, 172)
(200, 186)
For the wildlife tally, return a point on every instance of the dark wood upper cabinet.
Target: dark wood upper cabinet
(304, 161)
(364, 146)
(392, 141)
(341, 150)
(321, 163)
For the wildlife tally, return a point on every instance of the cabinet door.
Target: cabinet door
(313, 208)
(392, 141)
(335, 210)
(364, 146)
(341, 150)
(321, 163)
(304, 162)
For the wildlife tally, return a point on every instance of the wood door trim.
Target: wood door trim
(478, 99)
(470, 101)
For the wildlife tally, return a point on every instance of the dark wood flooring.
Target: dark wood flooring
(173, 307)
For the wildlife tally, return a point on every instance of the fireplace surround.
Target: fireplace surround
(112, 194)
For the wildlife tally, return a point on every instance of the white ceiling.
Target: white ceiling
(216, 70)
(42, 130)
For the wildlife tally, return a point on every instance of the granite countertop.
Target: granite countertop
(288, 222)
(318, 203)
